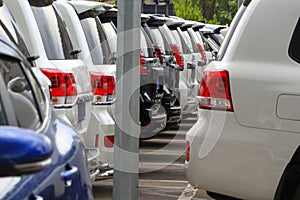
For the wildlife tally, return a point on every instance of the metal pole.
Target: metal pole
(127, 131)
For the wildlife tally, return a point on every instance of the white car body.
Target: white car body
(188, 84)
(101, 123)
(77, 113)
(244, 153)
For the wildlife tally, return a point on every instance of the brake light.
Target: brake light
(214, 91)
(187, 151)
(202, 52)
(178, 55)
(103, 87)
(109, 141)
(143, 69)
(63, 86)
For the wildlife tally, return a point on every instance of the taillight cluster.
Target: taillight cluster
(63, 86)
(178, 55)
(202, 52)
(143, 68)
(214, 91)
(109, 141)
(103, 87)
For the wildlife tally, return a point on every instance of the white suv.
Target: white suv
(102, 126)
(245, 143)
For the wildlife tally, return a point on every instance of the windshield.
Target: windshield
(111, 36)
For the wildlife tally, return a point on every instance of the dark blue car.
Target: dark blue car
(41, 157)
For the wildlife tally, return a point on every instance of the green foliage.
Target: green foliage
(215, 11)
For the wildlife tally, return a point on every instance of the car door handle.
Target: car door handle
(69, 173)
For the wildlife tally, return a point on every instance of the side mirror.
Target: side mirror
(23, 151)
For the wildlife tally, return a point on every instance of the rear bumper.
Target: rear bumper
(157, 123)
(174, 114)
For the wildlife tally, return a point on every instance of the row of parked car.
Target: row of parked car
(58, 69)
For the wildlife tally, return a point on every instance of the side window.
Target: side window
(294, 48)
(21, 93)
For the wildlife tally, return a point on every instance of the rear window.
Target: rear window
(146, 46)
(167, 33)
(90, 29)
(111, 36)
(160, 40)
(294, 48)
(54, 33)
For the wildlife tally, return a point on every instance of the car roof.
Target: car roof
(84, 6)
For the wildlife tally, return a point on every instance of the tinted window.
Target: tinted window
(21, 93)
(294, 48)
(54, 33)
(111, 36)
(93, 38)
(160, 40)
(146, 46)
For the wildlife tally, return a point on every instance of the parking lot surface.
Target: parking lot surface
(162, 172)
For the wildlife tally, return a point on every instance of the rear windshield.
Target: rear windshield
(167, 34)
(111, 36)
(160, 40)
(54, 33)
(90, 29)
(146, 46)
(178, 40)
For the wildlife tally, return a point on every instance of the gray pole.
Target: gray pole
(126, 148)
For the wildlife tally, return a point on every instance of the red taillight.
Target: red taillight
(103, 87)
(214, 91)
(202, 52)
(187, 151)
(63, 86)
(143, 69)
(158, 53)
(178, 55)
(109, 141)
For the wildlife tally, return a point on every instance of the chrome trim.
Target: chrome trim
(79, 99)
(36, 166)
(105, 103)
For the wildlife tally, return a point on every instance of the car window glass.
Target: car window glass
(159, 39)
(2, 116)
(53, 32)
(205, 45)
(178, 40)
(189, 41)
(21, 94)
(111, 36)
(91, 33)
(294, 48)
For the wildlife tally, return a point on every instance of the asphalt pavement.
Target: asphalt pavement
(162, 172)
